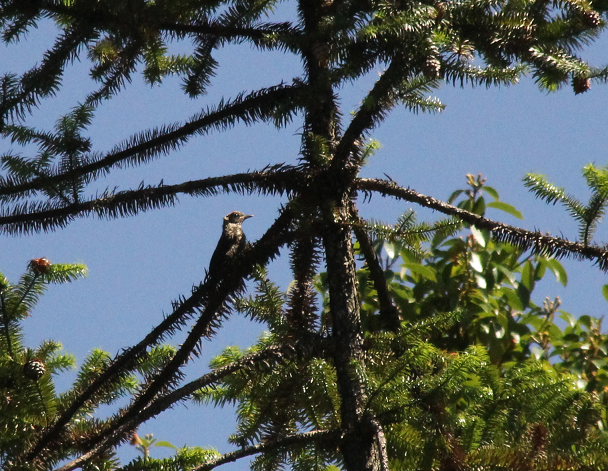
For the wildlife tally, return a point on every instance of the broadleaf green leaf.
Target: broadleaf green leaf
(491, 191)
(505, 207)
(426, 272)
(558, 270)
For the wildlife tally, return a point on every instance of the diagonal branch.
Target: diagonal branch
(162, 403)
(388, 311)
(256, 106)
(526, 240)
(43, 80)
(207, 295)
(263, 359)
(375, 105)
(324, 436)
(123, 363)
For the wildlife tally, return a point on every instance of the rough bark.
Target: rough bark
(363, 445)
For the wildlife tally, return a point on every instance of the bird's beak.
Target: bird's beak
(247, 216)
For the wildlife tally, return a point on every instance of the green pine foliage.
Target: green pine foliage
(185, 459)
(480, 43)
(409, 345)
(587, 215)
(477, 377)
(31, 404)
(463, 384)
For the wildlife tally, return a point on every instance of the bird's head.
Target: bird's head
(236, 217)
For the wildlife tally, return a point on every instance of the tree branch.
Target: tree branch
(162, 403)
(278, 179)
(98, 18)
(305, 437)
(272, 354)
(209, 295)
(377, 102)
(257, 105)
(218, 30)
(526, 240)
(388, 311)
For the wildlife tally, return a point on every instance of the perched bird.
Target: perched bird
(230, 244)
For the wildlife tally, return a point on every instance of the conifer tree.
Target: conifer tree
(365, 392)
(29, 399)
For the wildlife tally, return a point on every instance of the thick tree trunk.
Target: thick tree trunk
(363, 446)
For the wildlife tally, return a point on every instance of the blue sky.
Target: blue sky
(138, 265)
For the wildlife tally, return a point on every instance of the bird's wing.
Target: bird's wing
(218, 259)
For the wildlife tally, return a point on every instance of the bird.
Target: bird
(231, 243)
